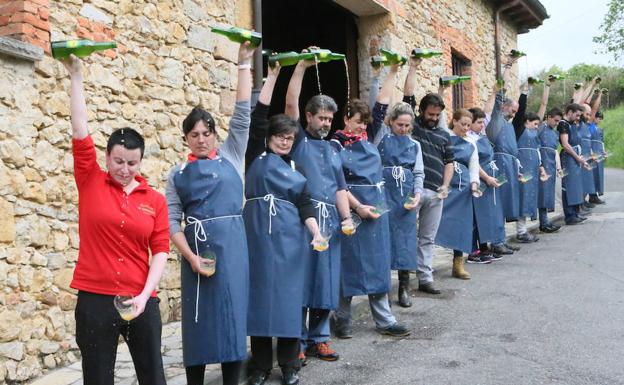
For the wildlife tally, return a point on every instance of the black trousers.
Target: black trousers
(230, 373)
(98, 326)
(262, 353)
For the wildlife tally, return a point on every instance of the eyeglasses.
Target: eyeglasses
(283, 138)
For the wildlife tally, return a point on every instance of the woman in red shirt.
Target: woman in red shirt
(122, 222)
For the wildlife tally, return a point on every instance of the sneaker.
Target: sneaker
(322, 351)
(573, 221)
(510, 247)
(258, 377)
(396, 330)
(549, 228)
(595, 200)
(495, 257)
(343, 331)
(303, 359)
(479, 258)
(589, 205)
(427, 287)
(526, 238)
(501, 249)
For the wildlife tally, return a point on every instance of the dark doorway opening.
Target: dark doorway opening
(294, 25)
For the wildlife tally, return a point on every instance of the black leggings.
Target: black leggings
(230, 371)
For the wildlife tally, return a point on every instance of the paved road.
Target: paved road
(551, 314)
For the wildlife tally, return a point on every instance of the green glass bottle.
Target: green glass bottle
(555, 77)
(449, 80)
(325, 55)
(532, 81)
(604, 91)
(577, 86)
(291, 58)
(80, 48)
(239, 35)
(393, 57)
(464, 78)
(421, 53)
(500, 83)
(517, 54)
(378, 61)
(590, 78)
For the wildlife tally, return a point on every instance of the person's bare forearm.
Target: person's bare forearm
(156, 269)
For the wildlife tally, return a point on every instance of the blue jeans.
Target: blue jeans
(317, 329)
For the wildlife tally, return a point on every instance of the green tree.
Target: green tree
(612, 28)
(561, 92)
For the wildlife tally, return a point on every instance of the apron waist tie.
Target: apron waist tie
(539, 156)
(494, 169)
(459, 171)
(201, 235)
(398, 173)
(323, 212)
(272, 208)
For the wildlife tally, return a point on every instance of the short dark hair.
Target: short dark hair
(431, 99)
(321, 102)
(555, 111)
(477, 113)
(281, 124)
(128, 138)
(196, 115)
(355, 106)
(573, 107)
(530, 117)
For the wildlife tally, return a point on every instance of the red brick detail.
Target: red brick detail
(26, 20)
(393, 6)
(96, 31)
(456, 42)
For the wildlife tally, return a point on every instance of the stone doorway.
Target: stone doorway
(293, 25)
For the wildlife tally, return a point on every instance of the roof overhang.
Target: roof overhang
(524, 14)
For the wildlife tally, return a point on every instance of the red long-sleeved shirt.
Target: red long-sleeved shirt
(117, 230)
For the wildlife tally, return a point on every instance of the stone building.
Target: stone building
(167, 62)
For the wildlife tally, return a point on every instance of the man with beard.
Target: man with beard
(501, 132)
(438, 160)
(573, 163)
(322, 167)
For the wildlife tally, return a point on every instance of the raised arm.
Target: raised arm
(294, 89)
(260, 118)
(596, 105)
(518, 120)
(77, 98)
(544, 103)
(381, 106)
(410, 82)
(235, 145)
(587, 92)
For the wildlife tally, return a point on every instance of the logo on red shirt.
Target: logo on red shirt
(147, 209)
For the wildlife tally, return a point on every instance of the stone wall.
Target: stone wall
(167, 63)
(462, 27)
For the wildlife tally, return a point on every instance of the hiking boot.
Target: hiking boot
(322, 351)
(458, 268)
(396, 330)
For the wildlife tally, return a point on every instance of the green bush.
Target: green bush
(613, 126)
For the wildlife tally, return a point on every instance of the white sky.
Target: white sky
(565, 38)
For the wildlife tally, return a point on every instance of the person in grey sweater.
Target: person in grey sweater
(206, 191)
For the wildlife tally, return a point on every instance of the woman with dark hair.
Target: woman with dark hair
(403, 174)
(365, 259)
(122, 222)
(278, 205)
(207, 192)
(489, 223)
(532, 170)
(455, 231)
